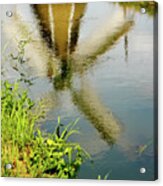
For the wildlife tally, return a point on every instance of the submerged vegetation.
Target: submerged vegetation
(31, 152)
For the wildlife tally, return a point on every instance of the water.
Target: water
(92, 61)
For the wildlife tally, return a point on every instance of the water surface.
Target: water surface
(92, 61)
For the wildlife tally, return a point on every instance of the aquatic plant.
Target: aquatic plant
(19, 60)
(106, 177)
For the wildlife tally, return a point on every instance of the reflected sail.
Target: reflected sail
(110, 40)
(40, 57)
(104, 121)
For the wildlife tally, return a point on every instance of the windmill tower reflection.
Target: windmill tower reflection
(59, 26)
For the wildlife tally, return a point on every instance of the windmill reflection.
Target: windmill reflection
(60, 26)
(58, 53)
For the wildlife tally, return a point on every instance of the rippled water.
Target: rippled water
(92, 61)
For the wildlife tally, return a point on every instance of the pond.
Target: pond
(92, 61)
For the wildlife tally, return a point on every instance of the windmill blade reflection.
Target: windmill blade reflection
(94, 110)
(83, 62)
(38, 55)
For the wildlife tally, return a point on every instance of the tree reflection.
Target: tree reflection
(150, 6)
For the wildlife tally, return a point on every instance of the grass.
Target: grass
(31, 152)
